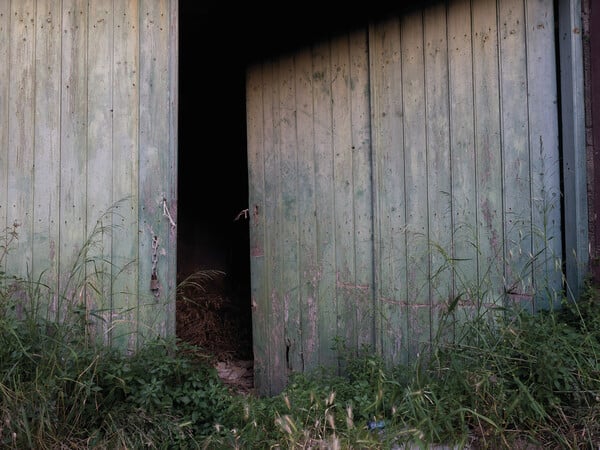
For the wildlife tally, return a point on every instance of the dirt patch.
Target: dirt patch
(216, 319)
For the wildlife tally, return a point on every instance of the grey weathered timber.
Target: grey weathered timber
(4, 118)
(20, 123)
(157, 209)
(100, 155)
(462, 143)
(88, 158)
(573, 144)
(255, 105)
(403, 184)
(46, 172)
(545, 164)
(125, 190)
(388, 175)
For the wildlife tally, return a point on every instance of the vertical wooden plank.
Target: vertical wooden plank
(256, 90)
(170, 205)
(289, 267)
(518, 254)
(573, 145)
(594, 51)
(389, 216)
(100, 160)
(307, 210)
(21, 64)
(155, 166)
(5, 46)
(343, 189)
(362, 313)
(544, 149)
(462, 153)
(47, 144)
(273, 245)
(439, 177)
(415, 175)
(73, 156)
(488, 152)
(121, 316)
(326, 269)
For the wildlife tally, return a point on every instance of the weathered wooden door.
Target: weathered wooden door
(396, 169)
(88, 158)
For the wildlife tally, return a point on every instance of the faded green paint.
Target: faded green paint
(88, 150)
(397, 176)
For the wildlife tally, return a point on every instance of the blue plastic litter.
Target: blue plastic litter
(376, 425)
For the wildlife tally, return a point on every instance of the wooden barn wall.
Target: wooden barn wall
(88, 157)
(397, 170)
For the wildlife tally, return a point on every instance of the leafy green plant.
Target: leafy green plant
(510, 377)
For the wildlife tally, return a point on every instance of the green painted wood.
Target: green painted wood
(515, 154)
(46, 209)
(256, 131)
(73, 170)
(290, 268)
(70, 145)
(416, 181)
(389, 216)
(274, 241)
(157, 163)
(343, 191)
(171, 189)
(20, 134)
(307, 220)
(462, 144)
(325, 233)
(544, 150)
(122, 315)
(488, 156)
(4, 121)
(298, 169)
(439, 169)
(100, 151)
(361, 313)
(425, 176)
(573, 145)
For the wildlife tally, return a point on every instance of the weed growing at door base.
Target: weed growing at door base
(509, 379)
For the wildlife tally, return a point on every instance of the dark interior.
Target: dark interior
(217, 42)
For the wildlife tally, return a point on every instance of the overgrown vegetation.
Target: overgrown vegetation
(509, 379)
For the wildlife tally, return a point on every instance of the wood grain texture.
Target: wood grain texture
(46, 202)
(488, 156)
(73, 153)
(255, 113)
(155, 310)
(125, 190)
(418, 176)
(415, 177)
(21, 64)
(4, 120)
(325, 269)
(439, 169)
(70, 137)
(573, 144)
(307, 242)
(389, 209)
(462, 158)
(99, 164)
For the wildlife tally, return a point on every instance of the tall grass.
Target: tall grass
(520, 380)
(509, 378)
(62, 388)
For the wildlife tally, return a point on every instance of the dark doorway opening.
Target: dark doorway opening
(213, 266)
